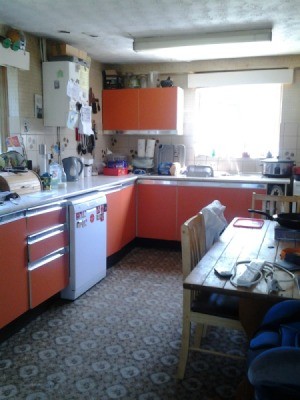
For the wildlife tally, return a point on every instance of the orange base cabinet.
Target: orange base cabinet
(121, 218)
(14, 297)
(191, 199)
(157, 203)
(48, 257)
(49, 278)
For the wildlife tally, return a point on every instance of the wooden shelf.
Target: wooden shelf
(19, 59)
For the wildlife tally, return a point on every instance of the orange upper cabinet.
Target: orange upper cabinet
(161, 108)
(143, 109)
(120, 109)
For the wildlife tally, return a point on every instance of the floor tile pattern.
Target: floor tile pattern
(120, 340)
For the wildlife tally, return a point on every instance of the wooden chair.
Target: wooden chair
(201, 308)
(275, 204)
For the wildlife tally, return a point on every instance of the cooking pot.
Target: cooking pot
(277, 168)
(288, 220)
(73, 168)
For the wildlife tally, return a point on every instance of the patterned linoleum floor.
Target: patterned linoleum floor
(120, 340)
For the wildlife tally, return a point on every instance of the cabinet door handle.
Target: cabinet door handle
(45, 209)
(49, 258)
(36, 237)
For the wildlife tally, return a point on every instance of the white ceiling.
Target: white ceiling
(117, 22)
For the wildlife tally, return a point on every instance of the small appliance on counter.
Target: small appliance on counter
(273, 167)
(73, 167)
(167, 155)
(200, 171)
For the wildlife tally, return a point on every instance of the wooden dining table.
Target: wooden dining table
(243, 240)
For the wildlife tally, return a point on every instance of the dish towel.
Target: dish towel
(215, 222)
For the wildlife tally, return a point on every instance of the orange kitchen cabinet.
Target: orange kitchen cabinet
(48, 278)
(45, 217)
(14, 297)
(143, 109)
(120, 109)
(47, 251)
(191, 199)
(121, 218)
(160, 108)
(157, 204)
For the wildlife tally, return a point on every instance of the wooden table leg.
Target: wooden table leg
(245, 390)
(251, 313)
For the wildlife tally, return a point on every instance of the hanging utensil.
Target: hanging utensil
(83, 144)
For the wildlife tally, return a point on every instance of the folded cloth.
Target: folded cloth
(215, 222)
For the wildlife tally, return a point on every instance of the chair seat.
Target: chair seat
(216, 304)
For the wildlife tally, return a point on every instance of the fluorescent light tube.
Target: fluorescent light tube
(164, 42)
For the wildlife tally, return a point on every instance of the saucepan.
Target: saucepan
(288, 220)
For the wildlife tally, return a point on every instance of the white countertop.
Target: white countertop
(104, 183)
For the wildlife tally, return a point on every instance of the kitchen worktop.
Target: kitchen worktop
(104, 183)
(237, 178)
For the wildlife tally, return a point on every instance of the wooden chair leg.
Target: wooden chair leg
(185, 338)
(200, 331)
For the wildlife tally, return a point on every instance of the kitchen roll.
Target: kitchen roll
(150, 148)
(141, 147)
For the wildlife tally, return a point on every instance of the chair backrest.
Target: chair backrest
(193, 242)
(275, 204)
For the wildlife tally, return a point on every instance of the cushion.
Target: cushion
(216, 304)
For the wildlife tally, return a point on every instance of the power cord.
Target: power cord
(267, 270)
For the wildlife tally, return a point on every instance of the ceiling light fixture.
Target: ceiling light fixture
(203, 39)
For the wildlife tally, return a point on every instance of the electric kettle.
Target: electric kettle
(73, 168)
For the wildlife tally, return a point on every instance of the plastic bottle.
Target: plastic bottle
(63, 181)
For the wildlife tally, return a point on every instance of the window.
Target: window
(237, 121)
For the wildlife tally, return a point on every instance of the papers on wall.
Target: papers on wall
(85, 122)
(72, 122)
(73, 90)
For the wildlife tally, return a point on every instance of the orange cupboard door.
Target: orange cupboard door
(14, 296)
(48, 279)
(192, 199)
(121, 218)
(120, 109)
(158, 108)
(157, 211)
(129, 214)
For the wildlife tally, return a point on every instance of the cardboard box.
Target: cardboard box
(63, 49)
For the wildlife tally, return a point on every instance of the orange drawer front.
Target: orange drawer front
(47, 245)
(48, 279)
(45, 219)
